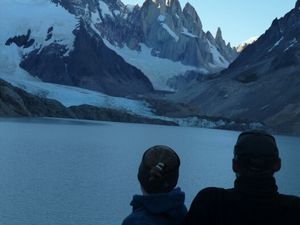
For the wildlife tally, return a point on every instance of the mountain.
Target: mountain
(55, 46)
(243, 45)
(160, 38)
(262, 84)
(82, 43)
(90, 65)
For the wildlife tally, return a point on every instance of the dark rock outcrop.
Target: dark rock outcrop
(21, 40)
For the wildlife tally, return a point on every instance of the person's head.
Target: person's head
(256, 154)
(159, 170)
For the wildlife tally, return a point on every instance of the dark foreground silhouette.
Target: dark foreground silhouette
(254, 200)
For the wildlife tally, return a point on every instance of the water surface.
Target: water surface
(84, 173)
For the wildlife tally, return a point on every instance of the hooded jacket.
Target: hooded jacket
(157, 209)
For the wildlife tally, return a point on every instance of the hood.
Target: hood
(171, 203)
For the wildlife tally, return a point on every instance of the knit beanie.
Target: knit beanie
(159, 169)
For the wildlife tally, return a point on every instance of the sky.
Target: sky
(239, 19)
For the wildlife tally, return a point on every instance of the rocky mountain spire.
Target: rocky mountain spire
(191, 20)
(191, 14)
(229, 53)
(219, 38)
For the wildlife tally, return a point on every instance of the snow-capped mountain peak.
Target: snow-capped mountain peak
(243, 45)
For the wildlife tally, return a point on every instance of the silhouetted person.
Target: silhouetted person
(254, 200)
(161, 203)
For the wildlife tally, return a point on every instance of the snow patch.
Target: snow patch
(276, 44)
(250, 41)
(292, 44)
(105, 11)
(117, 12)
(219, 60)
(169, 30)
(95, 17)
(158, 70)
(161, 18)
(18, 16)
(187, 33)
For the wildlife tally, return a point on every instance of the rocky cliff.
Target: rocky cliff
(262, 84)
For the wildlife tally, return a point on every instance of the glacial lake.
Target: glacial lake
(66, 172)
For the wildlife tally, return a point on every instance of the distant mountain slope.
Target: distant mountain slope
(263, 83)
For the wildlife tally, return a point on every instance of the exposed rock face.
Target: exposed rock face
(177, 34)
(90, 65)
(262, 84)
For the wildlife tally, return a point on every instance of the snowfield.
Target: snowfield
(17, 16)
(158, 70)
